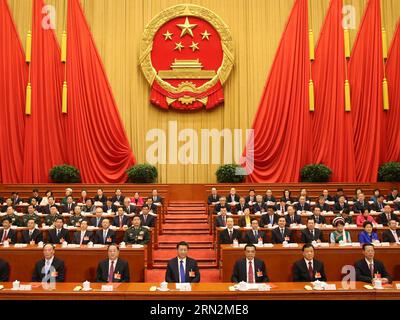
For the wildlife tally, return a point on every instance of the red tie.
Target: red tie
(111, 273)
(120, 221)
(5, 234)
(251, 273)
(310, 270)
(371, 268)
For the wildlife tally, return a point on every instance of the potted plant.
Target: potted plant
(142, 173)
(389, 172)
(315, 173)
(230, 173)
(65, 174)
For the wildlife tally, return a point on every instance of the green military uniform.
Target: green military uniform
(15, 220)
(137, 236)
(50, 219)
(76, 220)
(26, 218)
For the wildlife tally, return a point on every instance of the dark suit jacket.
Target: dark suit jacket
(306, 207)
(277, 236)
(324, 207)
(224, 236)
(86, 239)
(297, 219)
(64, 208)
(239, 271)
(4, 208)
(46, 209)
(363, 272)
(219, 222)
(150, 221)
(110, 239)
(229, 198)
(259, 207)
(301, 274)
(338, 207)
(247, 199)
(4, 271)
(121, 270)
(278, 208)
(37, 236)
(172, 273)
(242, 221)
(249, 237)
(218, 207)
(383, 219)
(102, 199)
(93, 222)
(376, 207)
(130, 209)
(120, 199)
(266, 219)
(113, 208)
(239, 207)
(360, 207)
(211, 199)
(272, 199)
(58, 265)
(12, 235)
(321, 219)
(64, 234)
(158, 199)
(306, 236)
(387, 236)
(125, 221)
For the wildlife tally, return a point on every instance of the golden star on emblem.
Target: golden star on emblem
(206, 35)
(179, 46)
(187, 27)
(194, 46)
(168, 35)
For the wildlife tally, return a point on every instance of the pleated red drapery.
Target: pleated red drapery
(13, 80)
(393, 115)
(96, 135)
(282, 127)
(332, 126)
(44, 128)
(366, 76)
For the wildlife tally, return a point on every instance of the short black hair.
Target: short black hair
(249, 245)
(35, 190)
(7, 219)
(367, 223)
(367, 245)
(146, 206)
(307, 245)
(182, 243)
(271, 207)
(113, 245)
(60, 218)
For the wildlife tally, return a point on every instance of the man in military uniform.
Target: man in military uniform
(31, 215)
(77, 218)
(15, 220)
(136, 234)
(51, 218)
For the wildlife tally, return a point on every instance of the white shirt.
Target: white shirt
(369, 265)
(396, 237)
(82, 235)
(179, 266)
(247, 269)
(47, 265)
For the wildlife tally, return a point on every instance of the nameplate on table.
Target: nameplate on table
(183, 287)
(107, 288)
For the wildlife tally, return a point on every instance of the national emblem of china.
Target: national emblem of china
(187, 56)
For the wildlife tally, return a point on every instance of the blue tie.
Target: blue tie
(182, 272)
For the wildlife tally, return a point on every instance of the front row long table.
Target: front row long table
(80, 263)
(279, 260)
(200, 291)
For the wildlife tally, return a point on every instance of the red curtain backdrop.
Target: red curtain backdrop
(44, 128)
(13, 80)
(96, 135)
(366, 76)
(393, 115)
(332, 126)
(282, 126)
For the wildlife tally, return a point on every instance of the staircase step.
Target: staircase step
(185, 232)
(186, 226)
(187, 216)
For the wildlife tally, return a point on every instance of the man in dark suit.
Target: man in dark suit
(259, 205)
(311, 233)
(270, 218)
(118, 197)
(281, 207)
(393, 195)
(292, 217)
(35, 195)
(369, 269)
(254, 235)
(4, 271)
(49, 268)
(378, 205)
(232, 196)
(319, 219)
(322, 204)
(308, 269)
(32, 235)
(249, 269)
(16, 199)
(98, 219)
(83, 236)
(157, 200)
(241, 206)
(69, 206)
(341, 205)
(8, 234)
(146, 219)
(113, 269)
(51, 203)
(9, 203)
(109, 207)
(121, 219)
(303, 206)
(229, 234)
(221, 219)
(282, 233)
(100, 197)
(361, 204)
(182, 269)
(251, 197)
(105, 235)
(387, 215)
(59, 234)
(213, 198)
(391, 235)
(128, 207)
(222, 204)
